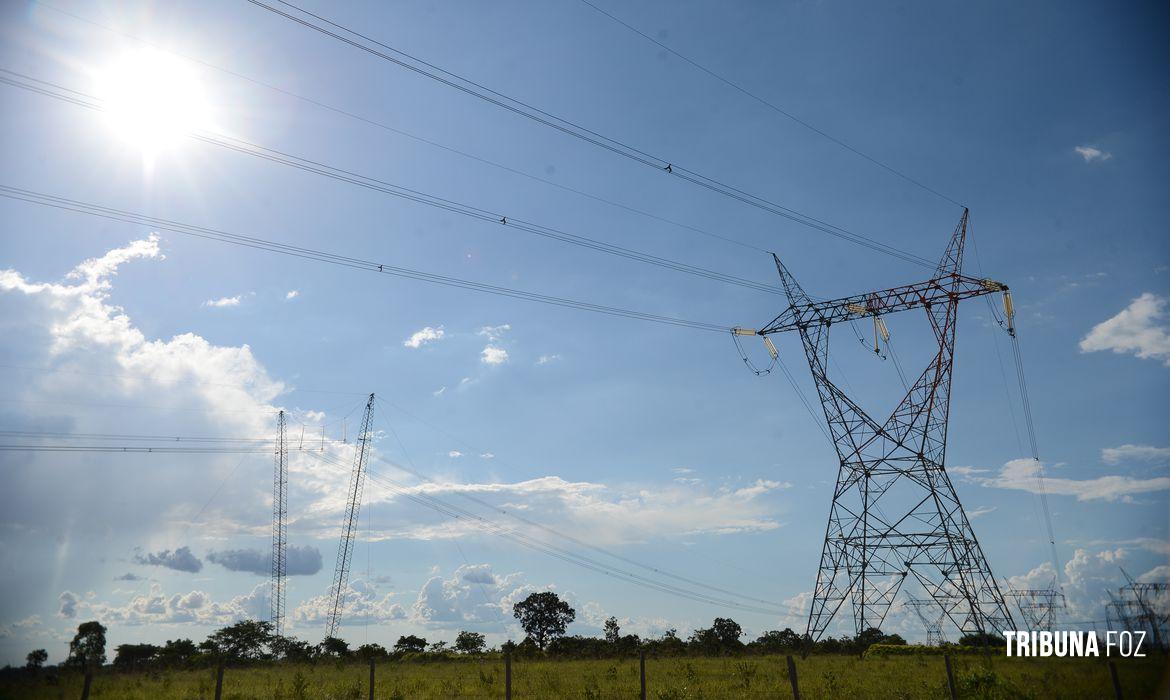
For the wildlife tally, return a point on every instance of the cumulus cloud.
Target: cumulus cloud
(1091, 154)
(300, 561)
(180, 560)
(222, 302)
(292, 294)
(1134, 453)
(363, 602)
(1138, 329)
(493, 355)
(494, 333)
(472, 595)
(195, 606)
(424, 336)
(454, 454)
(129, 577)
(1025, 475)
(545, 359)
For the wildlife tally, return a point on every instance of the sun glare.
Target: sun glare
(152, 100)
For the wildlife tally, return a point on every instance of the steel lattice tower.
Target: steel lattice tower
(895, 513)
(279, 529)
(353, 505)
(1038, 607)
(931, 616)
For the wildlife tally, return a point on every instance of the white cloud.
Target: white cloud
(362, 603)
(292, 294)
(545, 359)
(155, 608)
(440, 391)
(1024, 475)
(473, 595)
(493, 355)
(981, 510)
(494, 333)
(422, 337)
(223, 301)
(610, 515)
(486, 455)
(1136, 330)
(454, 454)
(1090, 154)
(1132, 453)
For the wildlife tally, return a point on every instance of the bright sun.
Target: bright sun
(152, 100)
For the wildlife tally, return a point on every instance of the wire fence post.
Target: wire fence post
(507, 675)
(792, 678)
(950, 676)
(642, 673)
(88, 682)
(219, 681)
(371, 678)
(1116, 680)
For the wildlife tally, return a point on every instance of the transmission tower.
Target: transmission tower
(1038, 606)
(353, 505)
(279, 531)
(1145, 598)
(895, 514)
(931, 616)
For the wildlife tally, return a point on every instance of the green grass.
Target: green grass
(667, 679)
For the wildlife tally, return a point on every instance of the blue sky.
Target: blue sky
(650, 441)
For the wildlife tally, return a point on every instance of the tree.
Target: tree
(981, 639)
(178, 652)
(371, 651)
(721, 637)
(612, 632)
(88, 648)
(777, 641)
(291, 648)
(544, 616)
(132, 657)
(410, 643)
(36, 658)
(332, 646)
(246, 640)
(470, 642)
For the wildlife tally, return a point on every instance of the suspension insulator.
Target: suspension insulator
(743, 331)
(771, 348)
(1009, 310)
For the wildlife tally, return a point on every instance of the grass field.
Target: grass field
(750, 677)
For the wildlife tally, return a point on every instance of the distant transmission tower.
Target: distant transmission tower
(279, 531)
(1146, 597)
(932, 616)
(353, 505)
(895, 513)
(1038, 606)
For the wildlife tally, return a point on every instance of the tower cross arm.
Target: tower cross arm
(939, 290)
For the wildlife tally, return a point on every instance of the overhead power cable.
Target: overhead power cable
(76, 97)
(415, 137)
(568, 556)
(772, 105)
(553, 531)
(386, 52)
(220, 236)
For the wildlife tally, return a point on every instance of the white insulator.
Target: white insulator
(885, 332)
(856, 309)
(742, 331)
(771, 348)
(1009, 310)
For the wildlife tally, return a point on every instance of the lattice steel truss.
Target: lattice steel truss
(931, 616)
(895, 513)
(357, 480)
(279, 527)
(1038, 606)
(1146, 604)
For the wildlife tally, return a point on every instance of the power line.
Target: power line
(414, 472)
(220, 236)
(76, 97)
(773, 106)
(565, 126)
(415, 137)
(486, 524)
